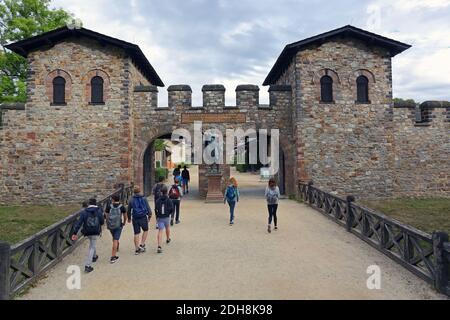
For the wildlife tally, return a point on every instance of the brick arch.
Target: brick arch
(362, 72)
(87, 84)
(326, 72)
(141, 146)
(49, 84)
(336, 83)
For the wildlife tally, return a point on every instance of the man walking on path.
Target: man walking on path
(186, 178)
(157, 192)
(175, 196)
(91, 221)
(139, 209)
(177, 171)
(163, 210)
(116, 218)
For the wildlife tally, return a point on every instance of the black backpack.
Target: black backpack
(92, 225)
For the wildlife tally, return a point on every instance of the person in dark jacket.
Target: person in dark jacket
(116, 218)
(186, 178)
(164, 209)
(177, 171)
(90, 222)
(139, 209)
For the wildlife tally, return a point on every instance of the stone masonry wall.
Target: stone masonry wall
(152, 122)
(422, 153)
(78, 150)
(347, 147)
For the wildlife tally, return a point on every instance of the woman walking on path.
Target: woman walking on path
(232, 197)
(272, 196)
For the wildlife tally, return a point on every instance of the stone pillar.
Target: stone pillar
(180, 97)
(213, 96)
(280, 96)
(247, 96)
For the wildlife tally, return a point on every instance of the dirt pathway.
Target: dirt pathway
(309, 257)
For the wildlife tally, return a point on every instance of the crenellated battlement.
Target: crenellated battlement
(247, 97)
(424, 115)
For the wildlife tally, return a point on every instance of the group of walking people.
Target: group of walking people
(167, 203)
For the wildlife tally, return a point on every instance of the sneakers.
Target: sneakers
(139, 251)
(88, 269)
(159, 250)
(231, 223)
(171, 222)
(276, 228)
(114, 259)
(95, 258)
(142, 247)
(168, 241)
(269, 230)
(177, 222)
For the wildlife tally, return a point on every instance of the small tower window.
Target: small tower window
(362, 84)
(59, 90)
(326, 88)
(97, 90)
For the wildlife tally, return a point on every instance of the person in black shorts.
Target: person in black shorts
(140, 211)
(116, 218)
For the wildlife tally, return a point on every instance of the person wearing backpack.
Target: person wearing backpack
(163, 210)
(116, 218)
(186, 178)
(272, 195)
(232, 197)
(90, 222)
(175, 196)
(157, 191)
(140, 211)
(177, 171)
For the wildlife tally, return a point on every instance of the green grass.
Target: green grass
(428, 215)
(19, 222)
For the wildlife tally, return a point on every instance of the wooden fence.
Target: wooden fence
(425, 255)
(24, 262)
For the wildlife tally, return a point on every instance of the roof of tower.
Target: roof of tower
(394, 47)
(24, 47)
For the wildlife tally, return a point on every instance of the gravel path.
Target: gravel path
(309, 257)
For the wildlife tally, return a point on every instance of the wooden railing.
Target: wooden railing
(24, 262)
(425, 255)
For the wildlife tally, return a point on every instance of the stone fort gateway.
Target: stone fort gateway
(92, 117)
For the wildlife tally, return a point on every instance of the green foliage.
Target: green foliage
(404, 101)
(161, 172)
(21, 19)
(242, 167)
(160, 145)
(182, 164)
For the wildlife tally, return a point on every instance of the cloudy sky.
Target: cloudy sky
(233, 42)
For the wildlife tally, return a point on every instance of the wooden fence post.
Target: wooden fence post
(350, 216)
(442, 264)
(310, 184)
(5, 261)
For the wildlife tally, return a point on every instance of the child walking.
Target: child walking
(163, 210)
(116, 218)
(175, 196)
(272, 195)
(91, 221)
(232, 197)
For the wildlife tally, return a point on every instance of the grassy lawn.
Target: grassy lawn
(425, 214)
(19, 222)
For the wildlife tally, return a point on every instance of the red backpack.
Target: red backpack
(174, 192)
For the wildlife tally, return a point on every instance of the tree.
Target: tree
(21, 19)
(160, 145)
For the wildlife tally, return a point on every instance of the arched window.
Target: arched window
(97, 90)
(59, 90)
(362, 84)
(326, 89)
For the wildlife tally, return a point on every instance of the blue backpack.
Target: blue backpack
(140, 208)
(230, 193)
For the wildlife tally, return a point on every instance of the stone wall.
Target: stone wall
(152, 122)
(422, 153)
(66, 153)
